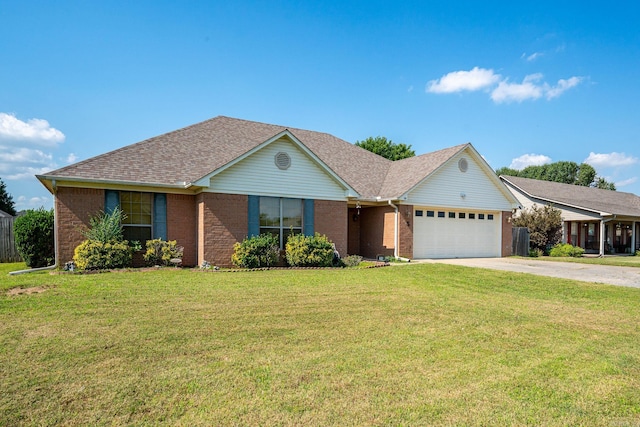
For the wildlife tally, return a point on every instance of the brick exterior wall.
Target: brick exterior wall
(73, 208)
(354, 220)
(181, 225)
(405, 230)
(222, 221)
(507, 234)
(372, 232)
(331, 220)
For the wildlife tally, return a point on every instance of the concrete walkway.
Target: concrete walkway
(612, 275)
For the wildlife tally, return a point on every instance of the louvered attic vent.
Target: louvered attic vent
(283, 161)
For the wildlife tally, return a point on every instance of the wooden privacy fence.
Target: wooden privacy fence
(520, 244)
(8, 250)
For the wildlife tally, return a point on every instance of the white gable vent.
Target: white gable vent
(463, 165)
(283, 161)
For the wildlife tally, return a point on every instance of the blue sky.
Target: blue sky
(526, 84)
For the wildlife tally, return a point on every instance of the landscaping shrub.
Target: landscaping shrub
(536, 252)
(309, 251)
(95, 255)
(544, 224)
(34, 237)
(105, 247)
(566, 250)
(256, 252)
(352, 260)
(161, 252)
(106, 227)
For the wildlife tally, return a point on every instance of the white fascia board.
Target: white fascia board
(49, 181)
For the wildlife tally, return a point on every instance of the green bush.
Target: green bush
(95, 255)
(160, 252)
(351, 260)
(34, 237)
(309, 251)
(566, 250)
(536, 252)
(256, 252)
(106, 227)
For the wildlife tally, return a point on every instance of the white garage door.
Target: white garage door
(456, 234)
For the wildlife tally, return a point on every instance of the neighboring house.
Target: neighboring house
(214, 183)
(600, 221)
(3, 214)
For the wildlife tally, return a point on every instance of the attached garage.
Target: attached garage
(442, 233)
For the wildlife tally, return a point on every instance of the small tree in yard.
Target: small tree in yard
(34, 237)
(544, 224)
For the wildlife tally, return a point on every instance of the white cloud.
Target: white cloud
(33, 202)
(562, 86)
(528, 89)
(532, 57)
(71, 158)
(532, 86)
(626, 182)
(458, 81)
(36, 131)
(24, 163)
(610, 160)
(525, 160)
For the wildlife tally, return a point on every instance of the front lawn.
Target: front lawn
(424, 344)
(620, 261)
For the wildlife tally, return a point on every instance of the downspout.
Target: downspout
(54, 187)
(395, 230)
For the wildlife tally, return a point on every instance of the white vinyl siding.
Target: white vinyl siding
(457, 234)
(449, 187)
(259, 175)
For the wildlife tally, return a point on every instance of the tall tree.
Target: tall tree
(565, 172)
(386, 148)
(6, 201)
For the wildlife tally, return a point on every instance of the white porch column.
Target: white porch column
(602, 236)
(633, 238)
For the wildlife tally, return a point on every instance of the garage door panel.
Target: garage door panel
(456, 237)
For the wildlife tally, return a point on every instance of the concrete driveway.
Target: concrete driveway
(612, 275)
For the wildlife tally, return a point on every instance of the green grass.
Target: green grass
(424, 344)
(620, 261)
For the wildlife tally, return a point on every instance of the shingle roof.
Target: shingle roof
(406, 173)
(592, 199)
(188, 154)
